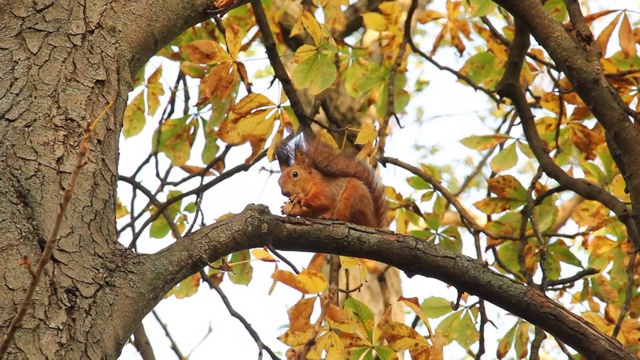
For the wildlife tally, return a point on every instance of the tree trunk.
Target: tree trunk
(61, 64)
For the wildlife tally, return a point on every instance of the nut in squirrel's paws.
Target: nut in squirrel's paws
(292, 208)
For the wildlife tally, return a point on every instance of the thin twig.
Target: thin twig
(174, 346)
(278, 67)
(261, 346)
(628, 296)
(52, 241)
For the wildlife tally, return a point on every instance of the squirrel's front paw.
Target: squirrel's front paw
(292, 209)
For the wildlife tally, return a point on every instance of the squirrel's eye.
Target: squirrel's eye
(294, 174)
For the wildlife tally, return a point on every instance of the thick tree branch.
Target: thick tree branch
(149, 25)
(574, 57)
(256, 227)
(509, 86)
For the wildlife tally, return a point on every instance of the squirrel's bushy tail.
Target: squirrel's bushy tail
(331, 162)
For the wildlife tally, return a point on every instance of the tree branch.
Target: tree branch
(257, 227)
(575, 57)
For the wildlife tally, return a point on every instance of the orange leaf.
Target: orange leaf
(507, 187)
(627, 43)
(205, 52)
(300, 314)
(307, 282)
(603, 39)
(194, 170)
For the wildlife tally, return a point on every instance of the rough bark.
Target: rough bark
(61, 63)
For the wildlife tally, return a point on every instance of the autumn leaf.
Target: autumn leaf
(484, 142)
(134, 117)
(507, 187)
(205, 52)
(307, 282)
(627, 42)
(121, 210)
(603, 38)
(174, 138)
(186, 287)
(263, 255)
(241, 266)
(154, 90)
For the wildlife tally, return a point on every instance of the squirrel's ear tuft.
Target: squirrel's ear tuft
(284, 154)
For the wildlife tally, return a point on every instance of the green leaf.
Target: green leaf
(242, 269)
(134, 119)
(508, 253)
(186, 287)
(505, 159)
(522, 340)
(159, 228)
(211, 147)
(496, 205)
(546, 213)
(561, 251)
(385, 352)
(190, 207)
(484, 142)
(175, 139)
(447, 327)
(418, 183)
(481, 68)
(450, 239)
(557, 9)
(435, 306)
(467, 334)
(362, 313)
(316, 73)
(552, 268)
(505, 343)
(481, 7)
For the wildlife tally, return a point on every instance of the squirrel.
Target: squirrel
(322, 182)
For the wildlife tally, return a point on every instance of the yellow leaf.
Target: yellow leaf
(250, 103)
(507, 187)
(134, 118)
(307, 282)
(374, 21)
(304, 52)
(367, 134)
(413, 304)
(154, 90)
(121, 210)
(603, 39)
(300, 314)
(312, 27)
(218, 82)
(429, 15)
(263, 255)
(233, 36)
(589, 213)
(296, 338)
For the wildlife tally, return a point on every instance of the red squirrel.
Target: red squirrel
(322, 182)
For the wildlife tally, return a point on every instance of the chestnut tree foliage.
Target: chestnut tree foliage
(538, 217)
